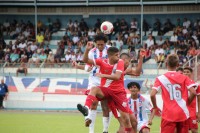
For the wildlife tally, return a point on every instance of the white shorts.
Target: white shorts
(142, 124)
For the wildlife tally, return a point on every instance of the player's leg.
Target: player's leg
(126, 121)
(183, 127)
(1, 101)
(167, 127)
(94, 92)
(134, 122)
(106, 115)
(121, 126)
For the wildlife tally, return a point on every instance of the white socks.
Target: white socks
(106, 122)
(92, 116)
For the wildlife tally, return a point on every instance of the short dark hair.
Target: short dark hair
(100, 37)
(188, 68)
(131, 84)
(112, 50)
(179, 69)
(125, 54)
(172, 60)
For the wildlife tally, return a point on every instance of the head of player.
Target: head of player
(180, 70)
(113, 55)
(126, 58)
(100, 41)
(187, 71)
(134, 88)
(172, 62)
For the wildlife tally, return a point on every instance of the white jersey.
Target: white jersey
(139, 107)
(94, 54)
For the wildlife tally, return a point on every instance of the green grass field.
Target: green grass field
(54, 122)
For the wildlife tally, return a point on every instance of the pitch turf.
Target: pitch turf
(54, 122)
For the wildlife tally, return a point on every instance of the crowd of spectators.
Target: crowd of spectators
(34, 50)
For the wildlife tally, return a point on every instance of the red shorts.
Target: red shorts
(192, 121)
(116, 101)
(169, 127)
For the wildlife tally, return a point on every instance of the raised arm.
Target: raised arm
(115, 76)
(85, 56)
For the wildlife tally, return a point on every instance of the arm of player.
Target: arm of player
(153, 98)
(192, 94)
(77, 66)
(85, 56)
(151, 116)
(115, 76)
(137, 71)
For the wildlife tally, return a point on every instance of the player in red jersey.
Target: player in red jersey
(193, 125)
(112, 85)
(174, 88)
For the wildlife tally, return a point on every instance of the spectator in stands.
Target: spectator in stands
(196, 24)
(34, 58)
(50, 59)
(23, 59)
(26, 33)
(6, 26)
(179, 23)
(62, 46)
(22, 69)
(167, 43)
(70, 25)
(91, 34)
(182, 49)
(22, 45)
(14, 57)
(97, 24)
(134, 25)
(75, 39)
(56, 25)
(131, 51)
(39, 26)
(161, 59)
(2, 42)
(83, 25)
(150, 41)
(42, 57)
(79, 57)
(7, 56)
(119, 43)
(40, 39)
(47, 35)
(1, 55)
(123, 25)
(174, 39)
(33, 46)
(168, 26)
(186, 23)
(58, 55)
(76, 25)
(160, 42)
(158, 53)
(68, 57)
(49, 24)
(145, 27)
(3, 93)
(185, 32)
(47, 50)
(117, 26)
(73, 56)
(157, 26)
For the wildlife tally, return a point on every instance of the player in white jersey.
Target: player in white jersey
(100, 51)
(139, 106)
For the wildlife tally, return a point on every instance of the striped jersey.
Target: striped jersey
(174, 88)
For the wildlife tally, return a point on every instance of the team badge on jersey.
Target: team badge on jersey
(124, 104)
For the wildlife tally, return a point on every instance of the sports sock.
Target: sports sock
(128, 130)
(92, 116)
(89, 100)
(106, 123)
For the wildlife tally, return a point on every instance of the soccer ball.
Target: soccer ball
(107, 27)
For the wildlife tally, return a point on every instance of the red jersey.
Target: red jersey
(106, 68)
(174, 88)
(192, 106)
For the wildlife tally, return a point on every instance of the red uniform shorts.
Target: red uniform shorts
(116, 101)
(192, 121)
(169, 127)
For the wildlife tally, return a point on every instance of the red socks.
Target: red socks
(89, 100)
(128, 130)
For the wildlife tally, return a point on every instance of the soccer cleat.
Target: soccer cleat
(88, 122)
(82, 109)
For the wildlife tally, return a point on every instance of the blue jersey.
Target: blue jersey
(3, 89)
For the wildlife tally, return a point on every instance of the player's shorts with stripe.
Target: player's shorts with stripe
(192, 121)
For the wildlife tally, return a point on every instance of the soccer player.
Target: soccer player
(100, 51)
(175, 87)
(112, 85)
(138, 104)
(193, 125)
(180, 70)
